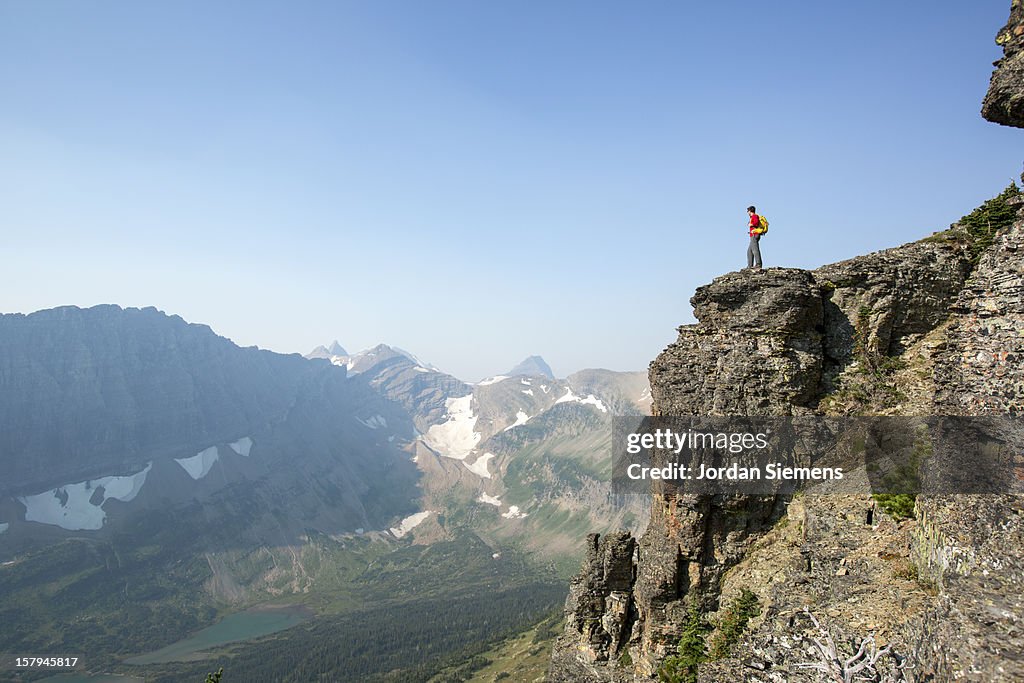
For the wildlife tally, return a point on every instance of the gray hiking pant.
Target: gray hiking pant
(754, 252)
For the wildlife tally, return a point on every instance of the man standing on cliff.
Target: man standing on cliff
(754, 250)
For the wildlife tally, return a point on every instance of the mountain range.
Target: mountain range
(155, 477)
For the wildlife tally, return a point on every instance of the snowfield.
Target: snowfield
(521, 419)
(199, 465)
(480, 466)
(514, 513)
(491, 380)
(455, 437)
(409, 523)
(71, 507)
(570, 397)
(490, 500)
(528, 392)
(242, 446)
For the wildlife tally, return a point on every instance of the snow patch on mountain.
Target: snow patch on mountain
(513, 513)
(199, 465)
(521, 419)
(409, 523)
(528, 392)
(455, 437)
(375, 422)
(72, 507)
(594, 401)
(490, 500)
(570, 397)
(491, 380)
(480, 466)
(545, 388)
(242, 446)
(3, 527)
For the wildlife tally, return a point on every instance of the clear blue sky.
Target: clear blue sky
(475, 181)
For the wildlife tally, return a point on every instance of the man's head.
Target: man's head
(751, 210)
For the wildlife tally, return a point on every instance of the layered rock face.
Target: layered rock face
(982, 365)
(924, 329)
(973, 546)
(599, 608)
(793, 342)
(749, 354)
(766, 344)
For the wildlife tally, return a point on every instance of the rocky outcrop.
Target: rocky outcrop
(1004, 102)
(599, 612)
(788, 342)
(942, 318)
(772, 343)
(756, 349)
(887, 301)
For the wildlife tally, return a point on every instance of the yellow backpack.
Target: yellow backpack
(762, 227)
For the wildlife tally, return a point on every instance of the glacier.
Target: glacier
(455, 437)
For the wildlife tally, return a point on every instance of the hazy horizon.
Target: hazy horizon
(474, 183)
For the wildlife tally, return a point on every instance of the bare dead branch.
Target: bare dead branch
(859, 667)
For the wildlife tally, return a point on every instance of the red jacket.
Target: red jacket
(755, 222)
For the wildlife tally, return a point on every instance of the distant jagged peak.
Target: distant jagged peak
(332, 350)
(319, 352)
(533, 366)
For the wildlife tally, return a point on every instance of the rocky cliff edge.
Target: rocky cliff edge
(809, 588)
